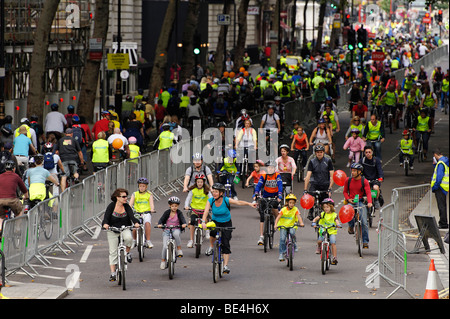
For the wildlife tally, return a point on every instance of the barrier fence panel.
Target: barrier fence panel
(14, 243)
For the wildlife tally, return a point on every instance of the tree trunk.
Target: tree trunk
(221, 45)
(323, 6)
(160, 63)
(304, 24)
(36, 92)
(190, 26)
(275, 27)
(242, 34)
(89, 80)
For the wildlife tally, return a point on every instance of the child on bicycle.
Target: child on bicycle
(356, 145)
(142, 202)
(256, 174)
(172, 217)
(406, 148)
(196, 201)
(287, 217)
(327, 218)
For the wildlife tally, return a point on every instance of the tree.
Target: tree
(221, 45)
(36, 92)
(242, 34)
(89, 80)
(305, 42)
(160, 63)
(190, 26)
(322, 8)
(276, 28)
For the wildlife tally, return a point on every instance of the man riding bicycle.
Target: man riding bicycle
(373, 172)
(357, 185)
(270, 185)
(373, 134)
(319, 176)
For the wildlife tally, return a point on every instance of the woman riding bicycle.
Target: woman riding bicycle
(285, 165)
(36, 180)
(118, 214)
(300, 145)
(221, 216)
(321, 134)
(246, 141)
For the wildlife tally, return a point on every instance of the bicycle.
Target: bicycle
(121, 267)
(244, 167)
(171, 249)
(45, 215)
(405, 162)
(317, 207)
(358, 228)
(229, 179)
(420, 153)
(140, 235)
(217, 257)
(287, 189)
(300, 168)
(269, 220)
(325, 251)
(198, 232)
(290, 246)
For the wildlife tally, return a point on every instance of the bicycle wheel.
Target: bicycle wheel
(290, 256)
(323, 259)
(46, 222)
(406, 167)
(271, 231)
(215, 263)
(140, 243)
(358, 237)
(122, 270)
(170, 259)
(420, 150)
(198, 241)
(266, 231)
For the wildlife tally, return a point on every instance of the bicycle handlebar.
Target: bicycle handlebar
(119, 229)
(295, 225)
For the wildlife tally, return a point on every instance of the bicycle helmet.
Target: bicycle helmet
(291, 196)
(142, 180)
(357, 166)
(355, 130)
(295, 122)
(424, 110)
(285, 146)
(219, 187)
(321, 121)
(132, 140)
(10, 165)
(48, 147)
(174, 200)
(222, 124)
(54, 107)
(231, 153)
(211, 225)
(197, 156)
(328, 201)
(200, 175)
(319, 147)
(405, 132)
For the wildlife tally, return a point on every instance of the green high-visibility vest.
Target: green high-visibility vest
(422, 124)
(406, 146)
(445, 179)
(100, 151)
(165, 140)
(374, 131)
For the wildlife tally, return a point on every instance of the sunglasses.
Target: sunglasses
(125, 196)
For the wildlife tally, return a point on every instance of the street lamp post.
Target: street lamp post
(118, 95)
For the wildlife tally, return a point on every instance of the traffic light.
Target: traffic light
(351, 39)
(347, 20)
(439, 16)
(362, 38)
(197, 44)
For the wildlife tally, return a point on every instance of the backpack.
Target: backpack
(49, 162)
(78, 135)
(4, 156)
(269, 93)
(285, 90)
(7, 130)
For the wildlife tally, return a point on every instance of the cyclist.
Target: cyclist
(406, 146)
(270, 184)
(198, 167)
(219, 205)
(101, 152)
(445, 92)
(321, 135)
(319, 175)
(142, 201)
(286, 166)
(172, 216)
(229, 167)
(429, 101)
(22, 145)
(287, 217)
(240, 122)
(118, 214)
(373, 172)
(300, 145)
(10, 181)
(327, 218)
(356, 146)
(373, 134)
(256, 174)
(412, 102)
(36, 180)
(271, 120)
(355, 185)
(246, 140)
(196, 201)
(390, 98)
(422, 127)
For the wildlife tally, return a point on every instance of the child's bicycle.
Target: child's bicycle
(171, 249)
(121, 267)
(199, 234)
(140, 234)
(325, 250)
(290, 246)
(217, 257)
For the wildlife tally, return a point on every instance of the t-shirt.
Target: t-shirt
(270, 121)
(21, 145)
(285, 167)
(112, 137)
(320, 172)
(38, 174)
(205, 170)
(68, 149)
(220, 214)
(10, 181)
(54, 122)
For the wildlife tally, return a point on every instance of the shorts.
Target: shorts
(274, 204)
(226, 236)
(14, 203)
(70, 164)
(146, 218)
(332, 239)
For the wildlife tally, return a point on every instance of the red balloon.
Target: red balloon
(339, 177)
(346, 213)
(307, 201)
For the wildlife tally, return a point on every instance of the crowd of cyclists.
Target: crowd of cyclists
(49, 155)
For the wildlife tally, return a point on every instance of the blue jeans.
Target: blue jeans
(443, 94)
(363, 218)
(283, 235)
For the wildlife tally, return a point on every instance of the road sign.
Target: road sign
(378, 56)
(223, 19)
(118, 61)
(426, 20)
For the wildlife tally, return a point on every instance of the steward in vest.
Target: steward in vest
(406, 147)
(166, 138)
(440, 186)
(100, 152)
